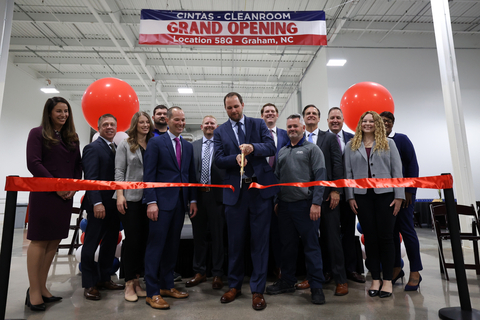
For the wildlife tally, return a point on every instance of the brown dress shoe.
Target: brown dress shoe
(174, 293)
(258, 302)
(157, 302)
(92, 293)
(341, 289)
(355, 276)
(110, 285)
(196, 280)
(303, 285)
(217, 283)
(230, 295)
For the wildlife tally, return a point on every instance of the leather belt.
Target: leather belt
(205, 189)
(249, 180)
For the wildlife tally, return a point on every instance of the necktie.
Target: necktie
(178, 151)
(339, 142)
(112, 146)
(271, 160)
(241, 134)
(310, 137)
(205, 162)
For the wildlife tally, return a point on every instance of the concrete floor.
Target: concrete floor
(203, 303)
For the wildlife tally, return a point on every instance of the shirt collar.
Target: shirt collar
(106, 141)
(205, 139)
(234, 123)
(391, 134)
(171, 135)
(314, 132)
(300, 143)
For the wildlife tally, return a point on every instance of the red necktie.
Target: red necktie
(271, 160)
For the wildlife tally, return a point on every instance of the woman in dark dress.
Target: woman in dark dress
(53, 152)
(133, 213)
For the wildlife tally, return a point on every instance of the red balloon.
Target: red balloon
(362, 97)
(110, 95)
(362, 238)
(401, 238)
(82, 237)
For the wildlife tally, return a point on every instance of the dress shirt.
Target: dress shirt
(174, 144)
(211, 157)
(235, 127)
(314, 137)
(275, 137)
(392, 134)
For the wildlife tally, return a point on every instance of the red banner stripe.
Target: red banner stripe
(434, 182)
(58, 184)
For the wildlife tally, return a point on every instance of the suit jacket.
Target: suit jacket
(216, 174)
(282, 139)
(328, 143)
(129, 167)
(383, 164)
(160, 165)
(226, 151)
(409, 158)
(99, 164)
(347, 136)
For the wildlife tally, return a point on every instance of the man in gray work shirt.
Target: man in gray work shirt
(299, 209)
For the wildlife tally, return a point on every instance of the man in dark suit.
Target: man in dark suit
(269, 113)
(330, 220)
(103, 217)
(210, 216)
(168, 158)
(347, 217)
(245, 208)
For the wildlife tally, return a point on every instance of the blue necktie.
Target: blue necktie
(310, 137)
(240, 133)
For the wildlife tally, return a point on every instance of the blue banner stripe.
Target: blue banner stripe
(148, 14)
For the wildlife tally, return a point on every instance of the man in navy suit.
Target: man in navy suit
(168, 158)
(103, 218)
(330, 220)
(269, 113)
(210, 217)
(347, 217)
(244, 207)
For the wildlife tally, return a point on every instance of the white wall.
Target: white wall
(413, 79)
(21, 111)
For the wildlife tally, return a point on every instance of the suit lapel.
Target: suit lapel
(249, 124)
(169, 144)
(363, 152)
(105, 146)
(320, 138)
(231, 134)
(138, 153)
(198, 152)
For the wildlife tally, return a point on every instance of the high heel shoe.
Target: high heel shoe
(401, 274)
(34, 307)
(413, 288)
(374, 293)
(51, 299)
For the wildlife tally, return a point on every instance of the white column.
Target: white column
(6, 17)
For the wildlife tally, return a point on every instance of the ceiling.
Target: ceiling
(72, 43)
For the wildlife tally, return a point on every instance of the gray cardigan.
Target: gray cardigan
(129, 167)
(383, 164)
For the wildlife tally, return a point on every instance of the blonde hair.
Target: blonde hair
(132, 131)
(381, 142)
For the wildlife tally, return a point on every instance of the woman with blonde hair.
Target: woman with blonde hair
(52, 152)
(133, 213)
(369, 154)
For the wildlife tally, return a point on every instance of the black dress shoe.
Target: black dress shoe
(374, 293)
(51, 299)
(92, 293)
(384, 294)
(110, 285)
(34, 307)
(328, 277)
(355, 276)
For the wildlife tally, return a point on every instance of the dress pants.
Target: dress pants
(209, 219)
(404, 225)
(331, 242)
(254, 213)
(377, 221)
(275, 244)
(294, 222)
(135, 226)
(347, 222)
(105, 230)
(162, 248)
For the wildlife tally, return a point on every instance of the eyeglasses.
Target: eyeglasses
(387, 121)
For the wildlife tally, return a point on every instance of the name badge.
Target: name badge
(299, 152)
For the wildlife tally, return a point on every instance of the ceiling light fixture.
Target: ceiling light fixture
(185, 90)
(336, 62)
(50, 88)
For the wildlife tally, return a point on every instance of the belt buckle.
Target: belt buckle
(207, 189)
(248, 180)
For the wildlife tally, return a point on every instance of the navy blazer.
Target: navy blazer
(409, 158)
(328, 143)
(160, 165)
(216, 174)
(282, 139)
(347, 136)
(99, 164)
(227, 149)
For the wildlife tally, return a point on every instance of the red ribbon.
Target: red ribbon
(435, 182)
(58, 184)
